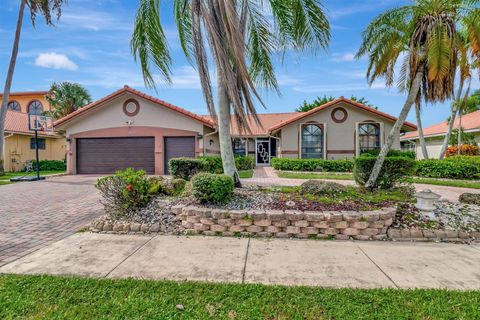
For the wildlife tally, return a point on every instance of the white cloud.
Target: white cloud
(55, 61)
(347, 87)
(346, 57)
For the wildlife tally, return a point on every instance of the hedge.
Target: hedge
(212, 188)
(50, 165)
(393, 170)
(392, 153)
(312, 165)
(186, 168)
(451, 168)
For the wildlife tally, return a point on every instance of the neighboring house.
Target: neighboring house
(434, 135)
(19, 146)
(131, 129)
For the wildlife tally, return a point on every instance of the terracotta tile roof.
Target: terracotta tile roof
(17, 122)
(124, 90)
(470, 121)
(27, 93)
(267, 120)
(333, 102)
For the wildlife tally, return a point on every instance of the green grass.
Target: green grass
(449, 183)
(47, 297)
(9, 175)
(312, 175)
(245, 174)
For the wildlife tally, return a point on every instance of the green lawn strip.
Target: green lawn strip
(47, 297)
(9, 175)
(245, 174)
(314, 175)
(448, 183)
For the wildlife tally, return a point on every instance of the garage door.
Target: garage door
(107, 155)
(176, 147)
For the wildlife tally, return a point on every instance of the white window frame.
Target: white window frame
(357, 134)
(324, 125)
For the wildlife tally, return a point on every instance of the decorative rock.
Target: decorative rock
(430, 234)
(189, 211)
(331, 231)
(301, 223)
(361, 237)
(254, 229)
(320, 224)
(292, 230)
(275, 215)
(388, 222)
(376, 224)
(107, 226)
(440, 234)
(281, 223)
(219, 214)
(237, 214)
(333, 216)
(264, 234)
(369, 232)
(225, 222)
(340, 225)
(301, 236)
(475, 235)
(416, 233)
(180, 307)
(154, 227)
(309, 230)
(126, 227)
(294, 215)
(351, 216)
(228, 234)
(193, 219)
(463, 235)
(272, 229)
(244, 222)
(218, 228)
(405, 233)
(204, 212)
(177, 209)
(282, 235)
(451, 234)
(117, 227)
(262, 223)
(314, 216)
(145, 227)
(359, 225)
(341, 237)
(257, 215)
(208, 221)
(370, 216)
(135, 227)
(201, 227)
(394, 233)
(380, 237)
(236, 228)
(350, 231)
(187, 225)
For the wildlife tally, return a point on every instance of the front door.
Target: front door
(262, 147)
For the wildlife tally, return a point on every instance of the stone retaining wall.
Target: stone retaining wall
(415, 234)
(284, 224)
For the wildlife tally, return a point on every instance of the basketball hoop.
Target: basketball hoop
(40, 123)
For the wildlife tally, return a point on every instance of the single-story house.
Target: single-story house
(435, 134)
(129, 128)
(19, 143)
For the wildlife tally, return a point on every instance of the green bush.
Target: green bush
(312, 165)
(451, 168)
(393, 170)
(50, 165)
(185, 168)
(212, 164)
(470, 198)
(392, 153)
(212, 188)
(170, 187)
(321, 188)
(244, 162)
(126, 191)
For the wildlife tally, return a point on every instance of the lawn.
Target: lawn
(46, 297)
(245, 174)
(9, 175)
(349, 176)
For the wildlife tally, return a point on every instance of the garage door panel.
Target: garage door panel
(176, 147)
(107, 155)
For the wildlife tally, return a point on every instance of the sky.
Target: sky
(90, 45)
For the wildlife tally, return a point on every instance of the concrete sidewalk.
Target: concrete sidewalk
(268, 261)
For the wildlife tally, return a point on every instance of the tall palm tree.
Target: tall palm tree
(421, 137)
(66, 97)
(46, 8)
(241, 40)
(425, 33)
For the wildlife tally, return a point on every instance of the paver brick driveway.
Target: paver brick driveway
(34, 214)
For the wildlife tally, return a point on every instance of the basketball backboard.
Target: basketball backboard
(40, 123)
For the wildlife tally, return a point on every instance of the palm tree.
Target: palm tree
(45, 8)
(421, 137)
(425, 33)
(66, 97)
(240, 39)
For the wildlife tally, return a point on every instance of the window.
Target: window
(239, 146)
(41, 144)
(35, 107)
(14, 106)
(312, 141)
(369, 136)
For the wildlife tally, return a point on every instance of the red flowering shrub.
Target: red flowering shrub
(465, 150)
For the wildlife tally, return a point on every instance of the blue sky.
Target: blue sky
(90, 45)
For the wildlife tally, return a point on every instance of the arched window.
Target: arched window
(312, 141)
(14, 106)
(35, 107)
(369, 136)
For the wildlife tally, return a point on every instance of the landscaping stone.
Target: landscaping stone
(416, 233)
(350, 231)
(309, 230)
(219, 214)
(292, 230)
(218, 228)
(135, 227)
(359, 225)
(314, 216)
(107, 226)
(282, 235)
(342, 237)
(201, 227)
(301, 223)
(208, 221)
(236, 228)
(244, 222)
(262, 223)
(225, 222)
(276, 215)
(257, 215)
(117, 227)
(340, 225)
(281, 223)
(333, 216)
(320, 224)
(369, 232)
(254, 229)
(294, 215)
(237, 214)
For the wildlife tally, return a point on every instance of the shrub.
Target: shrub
(244, 162)
(212, 188)
(170, 187)
(212, 164)
(312, 165)
(185, 168)
(470, 198)
(391, 153)
(126, 191)
(393, 170)
(452, 168)
(50, 165)
(321, 188)
(465, 150)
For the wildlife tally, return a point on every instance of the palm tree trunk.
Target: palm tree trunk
(453, 115)
(226, 149)
(8, 83)
(459, 140)
(420, 131)
(395, 132)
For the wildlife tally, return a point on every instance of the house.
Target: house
(129, 128)
(19, 146)
(435, 134)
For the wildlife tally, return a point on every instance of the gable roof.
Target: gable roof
(302, 115)
(17, 122)
(27, 93)
(124, 90)
(470, 121)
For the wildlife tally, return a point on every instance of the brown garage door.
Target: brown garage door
(176, 147)
(106, 155)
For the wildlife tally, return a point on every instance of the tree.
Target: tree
(306, 106)
(421, 137)
(468, 105)
(426, 34)
(240, 40)
(66, 97)
(46, 8)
